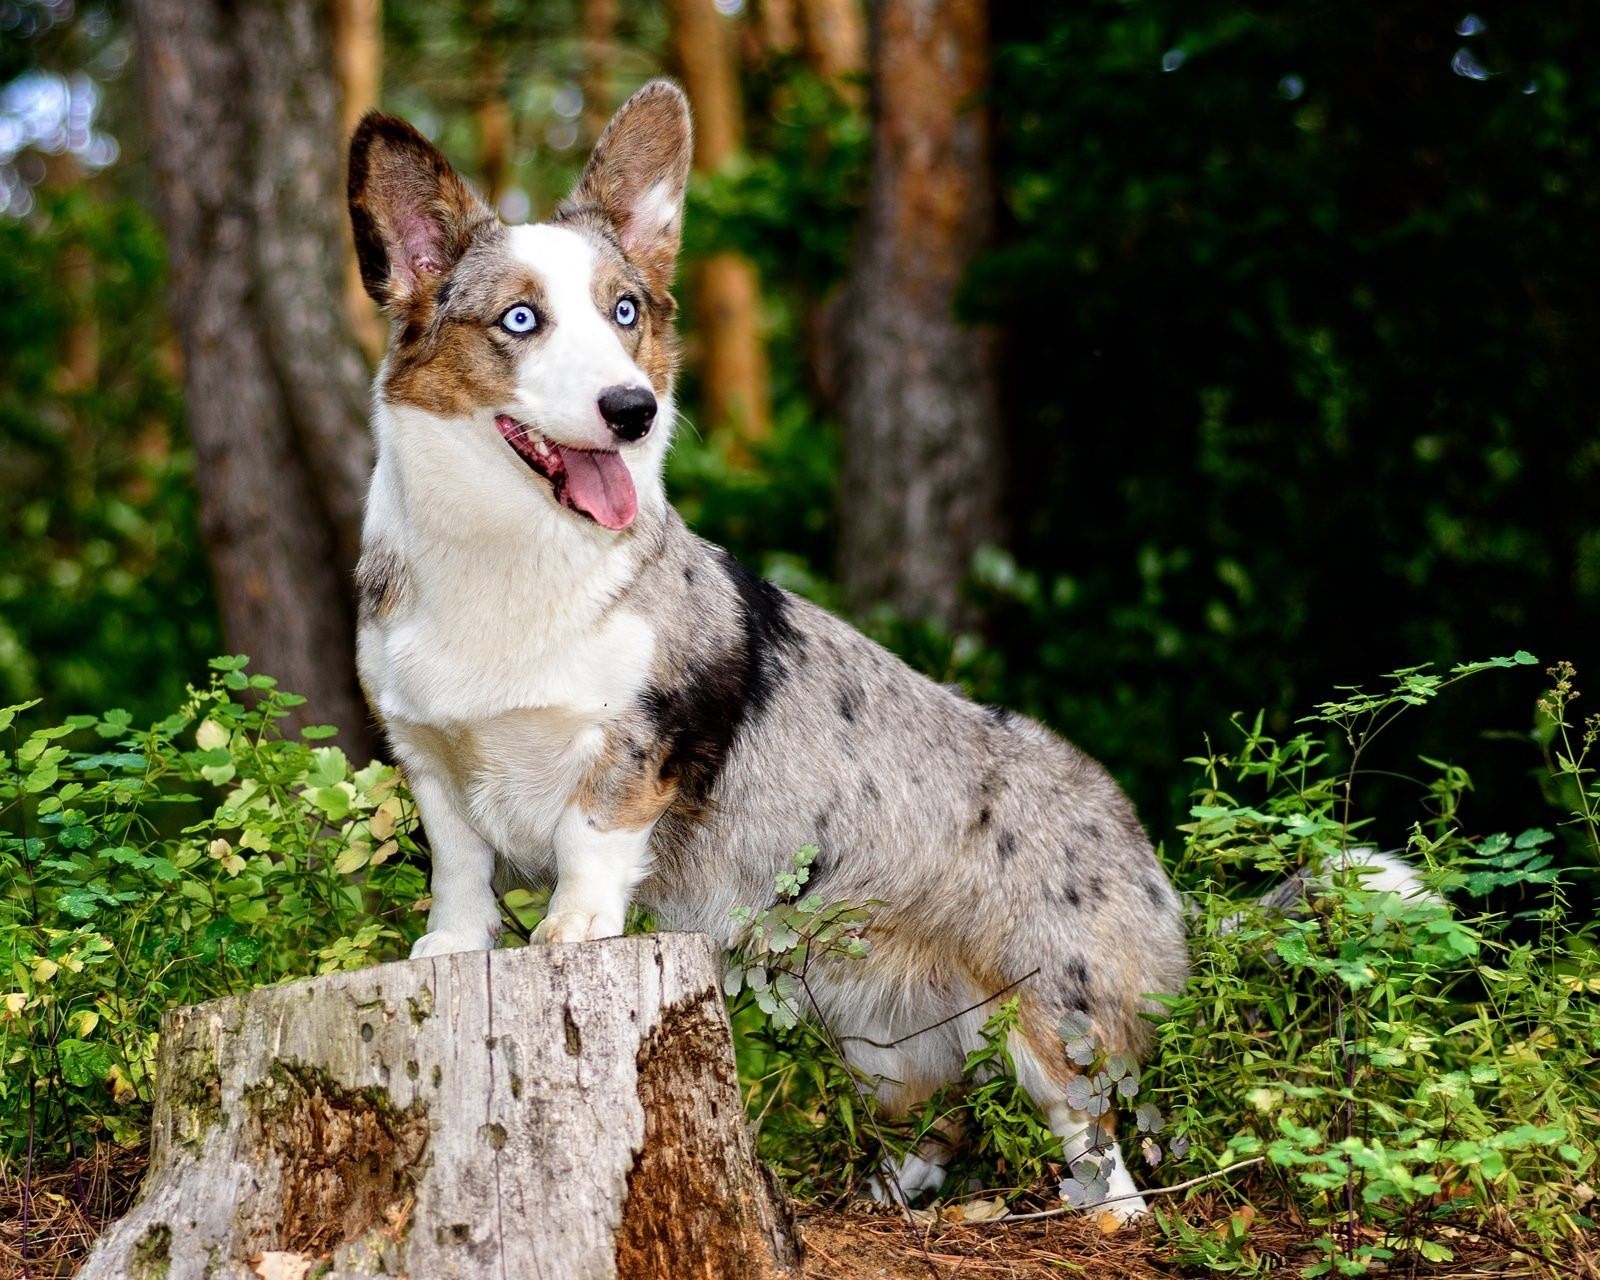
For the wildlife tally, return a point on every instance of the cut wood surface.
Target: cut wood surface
(562, 1111)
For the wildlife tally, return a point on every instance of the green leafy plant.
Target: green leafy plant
(1396, 1061)
(144, 867)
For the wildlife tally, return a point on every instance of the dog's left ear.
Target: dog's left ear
(636, 178)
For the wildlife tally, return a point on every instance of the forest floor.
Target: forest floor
(46, 1233)
(883, 1246)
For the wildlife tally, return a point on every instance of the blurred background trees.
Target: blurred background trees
(1133, 362)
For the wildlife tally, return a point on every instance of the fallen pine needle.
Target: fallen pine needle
(1098, 1204)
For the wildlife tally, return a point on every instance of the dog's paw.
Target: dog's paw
(575, 926)
(442, 942)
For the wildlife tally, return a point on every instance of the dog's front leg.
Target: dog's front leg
(465, 915)
(597, 869)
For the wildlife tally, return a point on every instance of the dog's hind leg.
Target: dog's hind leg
(1088, 1144)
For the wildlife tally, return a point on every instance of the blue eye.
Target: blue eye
(519, 319)
(626, 312)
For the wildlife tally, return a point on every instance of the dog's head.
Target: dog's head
(557, 336)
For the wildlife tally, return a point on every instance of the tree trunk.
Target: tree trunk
(491, 112)
(245, 141)
(921, 465)
(358, 62)
(780, 34)
(836, 41)
(599, 52)
(563, 1111)
(727, 289)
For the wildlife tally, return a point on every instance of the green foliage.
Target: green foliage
(104, 593)
(1011, 1146)
(818, 1123)
(1398, 1062)
(1317, 403)
(144, 867)
(790, 203)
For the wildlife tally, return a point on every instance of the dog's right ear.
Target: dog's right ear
(412, 214)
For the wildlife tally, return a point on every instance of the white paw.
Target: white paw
(575, 926)
(444, 942)
(912, 1176)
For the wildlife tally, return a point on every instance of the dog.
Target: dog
(583, 692)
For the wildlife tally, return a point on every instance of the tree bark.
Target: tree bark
(491, 111)
(780, 33)
(727, 289)
(358, 62)
(243, 109)
(599, 52)
(563, 1111)
(836, 41)
(921, 466)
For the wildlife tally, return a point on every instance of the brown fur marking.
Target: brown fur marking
(624, 789)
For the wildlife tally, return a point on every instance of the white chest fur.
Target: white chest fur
(505, 655)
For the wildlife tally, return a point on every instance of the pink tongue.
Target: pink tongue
(598, 484)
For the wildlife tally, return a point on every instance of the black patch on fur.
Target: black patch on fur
(688, 575)
(1005, 844)
(850, 701)
(701, 718)
(1069, 855)
(380, 581)
(1068, 894)
(1152, 890)
(869, 788)
(983, 816)
(820, 822)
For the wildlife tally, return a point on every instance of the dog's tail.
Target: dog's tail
(1380, 871)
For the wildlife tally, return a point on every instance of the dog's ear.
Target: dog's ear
(412, 214)
(636, 177)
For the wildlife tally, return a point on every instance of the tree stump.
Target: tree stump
(560, 1111)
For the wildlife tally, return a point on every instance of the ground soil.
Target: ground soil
(47, 1228)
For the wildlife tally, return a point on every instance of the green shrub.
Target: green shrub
(1398, 1063)
(142, 868)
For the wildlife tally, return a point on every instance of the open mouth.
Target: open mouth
(592, 482)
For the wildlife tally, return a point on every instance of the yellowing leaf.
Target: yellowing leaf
(382, 822)
(44, 970)
(353, 858)
(385, 851)
(210, 735)
(219, 848)
(14, 1003)
(83, 1023)
(121, 1087)
(982, 1210)
(281, 1266)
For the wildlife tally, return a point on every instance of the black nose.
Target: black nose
(629, 410)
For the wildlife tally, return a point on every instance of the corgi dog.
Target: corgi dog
(583, 693)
